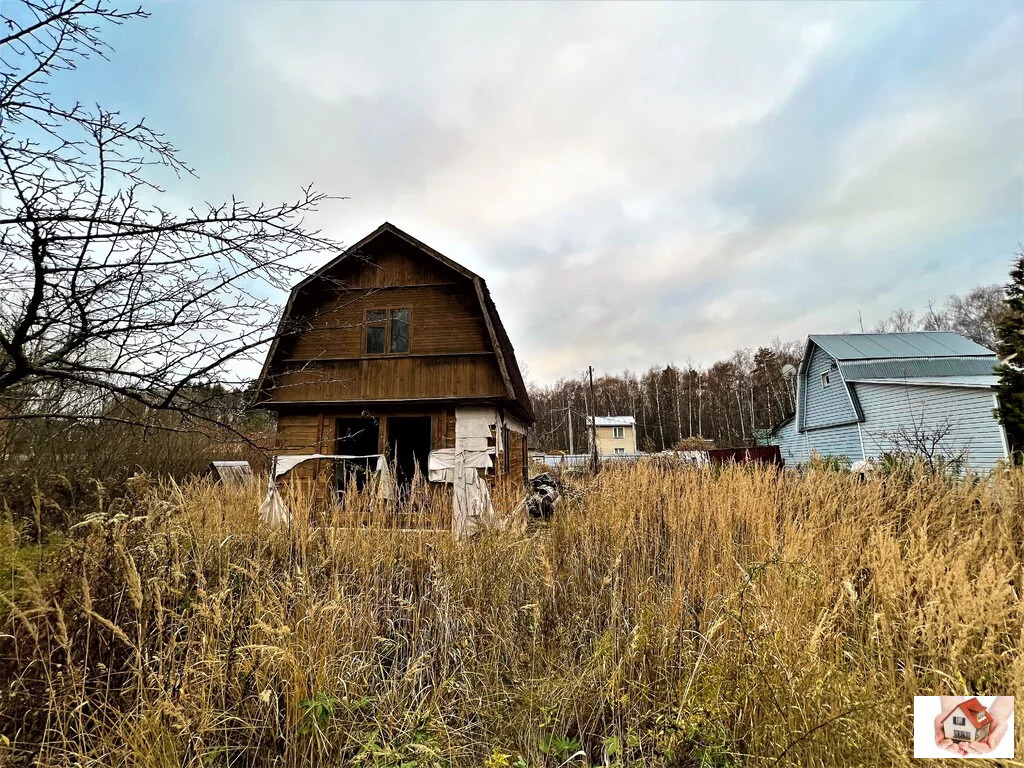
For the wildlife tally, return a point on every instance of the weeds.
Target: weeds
(665, 616)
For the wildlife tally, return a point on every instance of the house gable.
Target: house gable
(820, 405)
(457, 349)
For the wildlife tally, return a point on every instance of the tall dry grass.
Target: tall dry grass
(666, 616)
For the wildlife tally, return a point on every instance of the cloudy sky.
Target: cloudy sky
(638, 183)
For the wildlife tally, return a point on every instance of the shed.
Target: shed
(230, 472)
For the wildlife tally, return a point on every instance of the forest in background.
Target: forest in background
(732, 402)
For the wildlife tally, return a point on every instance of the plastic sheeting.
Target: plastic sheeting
(273, 510)
(288, 463)
(472, 508)
(473, 428)
(441, 463)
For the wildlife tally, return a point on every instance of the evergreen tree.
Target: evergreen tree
(1010, 334)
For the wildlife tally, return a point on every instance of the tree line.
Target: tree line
(735, 401)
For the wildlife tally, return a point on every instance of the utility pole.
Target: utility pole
(593, 420)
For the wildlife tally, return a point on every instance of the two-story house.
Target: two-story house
(616, 435)
(394, 349)
(862, 395)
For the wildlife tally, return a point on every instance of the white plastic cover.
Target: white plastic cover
(473, 428)
(472, 508)
(441, 463)
(288, 463)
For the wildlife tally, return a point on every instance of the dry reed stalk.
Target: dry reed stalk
(665, 616)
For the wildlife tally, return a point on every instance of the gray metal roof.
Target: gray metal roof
(977, 382)
(917, 367)
(872, 346)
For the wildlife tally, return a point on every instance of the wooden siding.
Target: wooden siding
(390, 262)
(389, 378)
(446, 318)
(450, 355)
(824, 406)
(968, 413)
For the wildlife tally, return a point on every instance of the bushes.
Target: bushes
(666, 616)
(63, 469)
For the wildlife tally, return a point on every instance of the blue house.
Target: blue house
(861, 395)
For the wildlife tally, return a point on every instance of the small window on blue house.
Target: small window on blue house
(826, 379)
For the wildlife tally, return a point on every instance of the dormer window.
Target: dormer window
(826, 379)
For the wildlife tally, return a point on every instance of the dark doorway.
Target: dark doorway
(408, 446)
(355, 437)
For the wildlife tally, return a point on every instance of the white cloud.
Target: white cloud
(645, 182)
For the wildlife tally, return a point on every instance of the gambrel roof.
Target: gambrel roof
(911, 344)
(915, 358)
(505, 354)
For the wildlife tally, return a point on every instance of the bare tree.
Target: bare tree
(976, 314)
(900, 321)
(931, 443)
(108, 296)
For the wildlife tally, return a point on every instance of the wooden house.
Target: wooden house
(392, 348)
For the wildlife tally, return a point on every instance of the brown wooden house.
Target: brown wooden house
(394, 348)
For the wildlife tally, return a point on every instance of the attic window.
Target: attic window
(959, 721)
(826, 379)
(387, 330)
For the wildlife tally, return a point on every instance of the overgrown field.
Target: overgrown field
(666, 617)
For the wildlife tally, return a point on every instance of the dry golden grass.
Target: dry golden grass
(666, 616)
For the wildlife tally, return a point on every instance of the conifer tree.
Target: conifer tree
(1010, 335)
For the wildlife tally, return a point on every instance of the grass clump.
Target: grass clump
(666, 616)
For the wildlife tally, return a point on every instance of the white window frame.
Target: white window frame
(620, 451)
(618, 433)
(826, 379)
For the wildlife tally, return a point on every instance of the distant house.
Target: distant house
(616, 435)
(970, 721)
(866, 394)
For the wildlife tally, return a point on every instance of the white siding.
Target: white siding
(796, 447)
(825, 406)
(966, 412)
(835, 441)
(791, 444)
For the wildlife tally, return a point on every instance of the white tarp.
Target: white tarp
(273, 510)
(473, 428)
(441, 463)
(288, 463)
(472, 508)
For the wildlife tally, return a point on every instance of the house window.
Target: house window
(620, 451)
(399, 331)
(959, 721)
(826, 379)
(387, 330)
(962, 735)
(618, 432)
